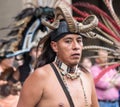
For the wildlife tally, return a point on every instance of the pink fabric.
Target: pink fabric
(107, 69)
(105, 90)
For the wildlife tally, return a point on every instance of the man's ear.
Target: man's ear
(54, 46)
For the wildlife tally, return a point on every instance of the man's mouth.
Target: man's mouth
(76, 55)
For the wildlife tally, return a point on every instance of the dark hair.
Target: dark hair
(24, 69)
(47, 55)
(5, 90)
(27, 58)
(1, 60)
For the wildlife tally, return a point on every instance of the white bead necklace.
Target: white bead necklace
(65, 72)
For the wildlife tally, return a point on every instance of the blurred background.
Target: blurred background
(8, 9)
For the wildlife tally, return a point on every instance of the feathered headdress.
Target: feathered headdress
(61, 13)
(27, 29)
(108, 29)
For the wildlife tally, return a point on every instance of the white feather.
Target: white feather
(40, 3)
(48, 3)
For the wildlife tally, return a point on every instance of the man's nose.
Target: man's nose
(76, 45)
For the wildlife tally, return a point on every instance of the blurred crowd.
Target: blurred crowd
(106, 76)
(13, 73)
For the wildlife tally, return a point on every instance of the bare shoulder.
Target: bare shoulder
(34, 86)
(37, 79)
(87, 74)
(85, 71)
(42, 71)
(40, 74)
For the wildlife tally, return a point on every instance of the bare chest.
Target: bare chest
(54, 96)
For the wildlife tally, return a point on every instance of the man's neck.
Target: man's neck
(65, 67)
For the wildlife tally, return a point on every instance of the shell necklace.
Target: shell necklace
(71, 73)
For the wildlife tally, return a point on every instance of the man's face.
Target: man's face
(103, 56)
(69, 49)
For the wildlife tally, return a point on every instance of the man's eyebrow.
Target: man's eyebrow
(80, 37)
(67, 38)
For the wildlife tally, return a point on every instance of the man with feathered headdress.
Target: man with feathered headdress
(59, 80)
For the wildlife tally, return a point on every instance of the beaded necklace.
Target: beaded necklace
(65, 71)
(70, 72)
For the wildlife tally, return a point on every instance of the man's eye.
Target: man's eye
(68, 41)
(79, 41)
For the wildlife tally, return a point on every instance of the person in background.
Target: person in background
(6, 69)
(29, 60)
(107, 87)
(18, 60)
(9, 89)
(87, 63)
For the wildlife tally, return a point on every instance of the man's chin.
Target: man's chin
(74, 63)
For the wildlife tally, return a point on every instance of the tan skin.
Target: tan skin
(43, 89)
